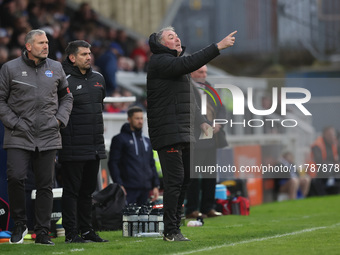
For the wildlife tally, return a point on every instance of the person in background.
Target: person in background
(325, 154)
(4, 54)
(294, 184)
(83, 143)
(205, 153)
(131, 162)
(35, 102)
(108, 64)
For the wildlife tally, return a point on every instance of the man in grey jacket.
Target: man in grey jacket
(34, 103)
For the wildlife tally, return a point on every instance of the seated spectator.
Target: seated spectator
(86, 17)
(5, 37)
(114, 107)
(122, 40)
(33, 10)
(125, 64)
(140, 55)
(295, 184)
(108, 64)
(325, 153)
(8, 11)
(111, 34)
(14, 53)
(97, 48)
(78, 33)
(18, 40)
(140, 64)
(4, 54)
(126, 105)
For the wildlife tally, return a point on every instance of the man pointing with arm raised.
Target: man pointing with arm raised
(170, 107)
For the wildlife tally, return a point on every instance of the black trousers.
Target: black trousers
(175, 162)
(79, 182)
(204, 187)
(18, 163)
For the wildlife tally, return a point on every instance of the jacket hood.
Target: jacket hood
(157, 48)
(126, 129)
(69, 68)
(136, 134)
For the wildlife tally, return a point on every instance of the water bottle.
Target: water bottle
(150, 234)
(153, 224)
(160, 222)
(127, 231)
(143, 219)
(133, 220)
(156, 220)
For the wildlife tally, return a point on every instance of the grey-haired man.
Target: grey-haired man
(34, 103)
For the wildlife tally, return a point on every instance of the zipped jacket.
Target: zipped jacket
(83, 137)
(131, 160)
(32, 100)
(172, 110)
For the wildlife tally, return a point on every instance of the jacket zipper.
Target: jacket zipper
(35, 109)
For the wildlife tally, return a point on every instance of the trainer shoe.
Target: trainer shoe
(213, 213)
(74, 238)
(171, 237)
(92, 237)
(44, 239)
(193, 215)
(18, 234)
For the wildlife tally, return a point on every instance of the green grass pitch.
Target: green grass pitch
(308, 226)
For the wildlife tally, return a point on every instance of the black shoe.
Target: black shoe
(92, 237)
(74, 238)
(44, 239)
(171, 237)
(18, 234)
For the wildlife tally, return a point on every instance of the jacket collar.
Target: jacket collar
(69, 68)
(30, 62)
(126, 129)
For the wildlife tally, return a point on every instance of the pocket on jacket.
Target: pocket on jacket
(56, 122)
(20, 128)
(51, 124)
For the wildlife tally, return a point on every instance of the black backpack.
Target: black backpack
(4, 215)
(107, 208)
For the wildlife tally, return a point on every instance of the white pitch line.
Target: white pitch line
(258, 239)
(77, 250)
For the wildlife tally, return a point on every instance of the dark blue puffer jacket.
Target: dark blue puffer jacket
(131, 162)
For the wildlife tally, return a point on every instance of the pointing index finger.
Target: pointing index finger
(231, 34)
